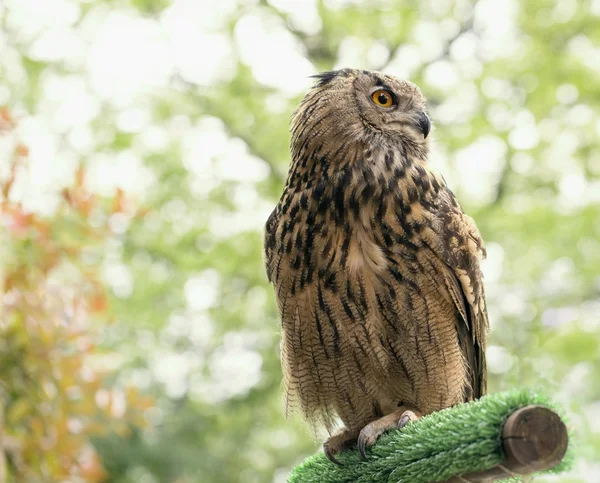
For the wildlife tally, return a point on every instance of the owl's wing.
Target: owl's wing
(301, 307)
(471, 333)
(270, 245)
(456, 241)
(280, 276)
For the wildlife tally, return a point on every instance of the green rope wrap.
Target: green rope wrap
(455, 441)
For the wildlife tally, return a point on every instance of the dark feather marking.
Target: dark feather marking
(383, 314)
(377, 409)
(349, 401)
(349, 294)
(320, 331)
(389, 160)
(354, 205)
(347, 309)
(304, 200)
(325, 309)
(330, 283)
(402, 366)
(339, 206)
(297, 262)
(318, 190)
(363, 297)
(345, 251)
(358, 364)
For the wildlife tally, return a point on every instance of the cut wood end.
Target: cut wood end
(534, 439)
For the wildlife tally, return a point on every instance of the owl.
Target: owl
(376, 268)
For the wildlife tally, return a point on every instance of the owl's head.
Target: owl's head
(352, 104)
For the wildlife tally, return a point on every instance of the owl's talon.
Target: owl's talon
(406, 417)
(329, 454)
(403, 420)
(368, 437)
(341, 441)
(371, 432)
(362, 446)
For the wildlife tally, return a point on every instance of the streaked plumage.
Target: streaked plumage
(374, 264)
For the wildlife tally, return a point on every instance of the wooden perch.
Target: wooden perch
(534, 438)
(499, 436)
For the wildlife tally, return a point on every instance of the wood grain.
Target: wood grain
(534, 438)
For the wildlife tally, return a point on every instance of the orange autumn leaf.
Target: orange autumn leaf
(67, 196)
(118, 204)
(6, 186)
(92, 469)
(5, 114)
(13, 280)
(42, 227)
(6, 120)
(18, 222)
(22, 150)
(49, 333)
(98, 303)
(86, 204)
(79, 177)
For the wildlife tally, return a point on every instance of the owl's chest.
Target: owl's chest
(349, 228)
(365, 254)
(333, 253)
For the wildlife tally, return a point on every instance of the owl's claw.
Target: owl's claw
(329, 453)
(371, 432)
(367, 438)
(362, 446)
(403, 421)
(340, 441)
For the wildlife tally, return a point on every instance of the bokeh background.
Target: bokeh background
(143, 144)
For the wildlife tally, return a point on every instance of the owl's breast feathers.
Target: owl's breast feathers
(373, 259)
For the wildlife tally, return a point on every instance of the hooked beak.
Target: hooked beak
(424, 124)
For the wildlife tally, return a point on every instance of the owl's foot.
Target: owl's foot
(396, 420)
(342, 440)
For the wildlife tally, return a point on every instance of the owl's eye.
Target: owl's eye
(383, 98)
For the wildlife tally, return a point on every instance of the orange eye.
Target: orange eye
(383, 98)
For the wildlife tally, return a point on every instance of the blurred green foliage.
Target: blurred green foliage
(531, 91)
(53, 397)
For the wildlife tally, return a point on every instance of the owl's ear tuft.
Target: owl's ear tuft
(325, 78)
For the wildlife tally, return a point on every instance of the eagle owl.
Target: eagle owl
(374, 264)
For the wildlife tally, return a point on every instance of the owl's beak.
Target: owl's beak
(424, 124)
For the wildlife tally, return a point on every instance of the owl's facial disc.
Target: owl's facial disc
(392, 106)
(386, 99)
(360, 106)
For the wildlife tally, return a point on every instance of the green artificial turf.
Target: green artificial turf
(452, 442)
